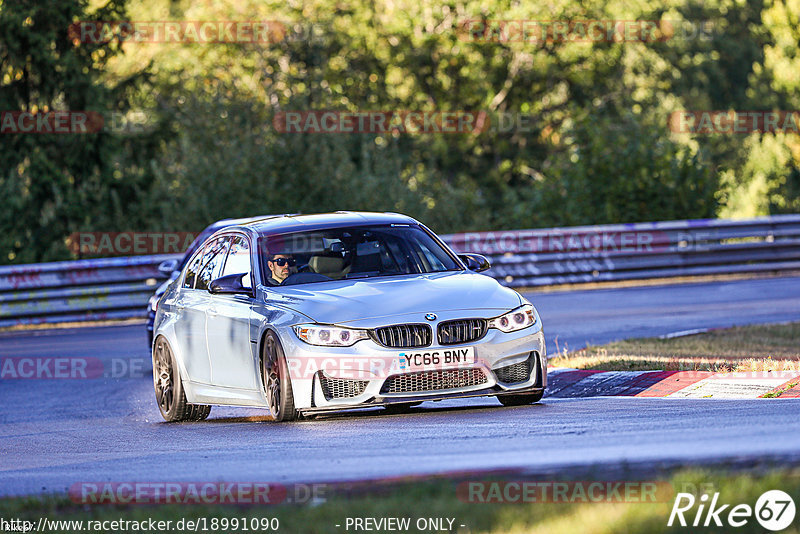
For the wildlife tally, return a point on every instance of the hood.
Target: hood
(344, 301)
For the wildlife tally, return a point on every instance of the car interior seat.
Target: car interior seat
(330, 266)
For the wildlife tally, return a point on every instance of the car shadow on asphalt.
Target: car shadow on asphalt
(380, 413)
(376, 413)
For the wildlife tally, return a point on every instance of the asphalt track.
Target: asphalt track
(56, 433)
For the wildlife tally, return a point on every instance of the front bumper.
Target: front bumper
(333, 378)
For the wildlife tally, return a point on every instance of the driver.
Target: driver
(280, 265)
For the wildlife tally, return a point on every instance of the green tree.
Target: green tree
(626, 171)
(52, 184)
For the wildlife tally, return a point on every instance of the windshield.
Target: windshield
(360, 252)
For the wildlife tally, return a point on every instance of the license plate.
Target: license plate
(431, 359)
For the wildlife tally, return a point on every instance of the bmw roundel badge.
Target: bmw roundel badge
(430, 316)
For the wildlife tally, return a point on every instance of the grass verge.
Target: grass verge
(441, 499)
(740, 349)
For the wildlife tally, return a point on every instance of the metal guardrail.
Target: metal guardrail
(81, 290)
(108, 288)
(530, 258)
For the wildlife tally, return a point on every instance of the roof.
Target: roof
(224, 223)
(300, 223)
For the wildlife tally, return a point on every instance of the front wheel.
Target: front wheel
(277, 383)
(170, 396)
(520, 399)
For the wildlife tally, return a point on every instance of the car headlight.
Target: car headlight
(522, 317)
(329, 336)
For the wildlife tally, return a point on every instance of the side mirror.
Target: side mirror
(229, 285)
(167, 267)
(475, 262)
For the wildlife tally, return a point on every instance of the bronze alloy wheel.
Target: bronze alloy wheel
(162, 376)
(170, 396)
(277, 383)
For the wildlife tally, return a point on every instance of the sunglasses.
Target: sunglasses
(284, 261)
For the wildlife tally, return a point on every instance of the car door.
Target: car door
(198, 364)
(228, 323)
(190, 329)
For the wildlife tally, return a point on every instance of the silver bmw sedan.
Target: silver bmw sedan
(311, 313)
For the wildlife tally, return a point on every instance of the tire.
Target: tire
(520, 399)
(200, 412)
(170, 396)
(277, 383)
(400, 408)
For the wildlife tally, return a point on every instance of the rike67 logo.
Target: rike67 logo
(774, 510)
